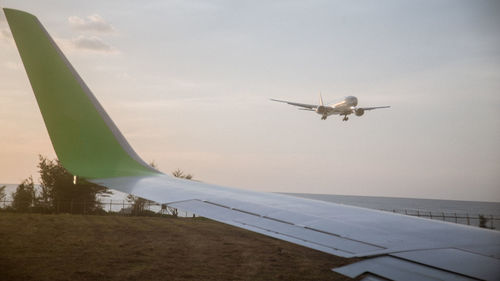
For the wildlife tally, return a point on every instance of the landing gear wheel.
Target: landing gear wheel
(345, 118)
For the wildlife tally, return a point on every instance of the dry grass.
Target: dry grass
(73, 247)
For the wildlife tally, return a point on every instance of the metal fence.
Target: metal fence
(486, 221)
(120, 207)
(125, 207)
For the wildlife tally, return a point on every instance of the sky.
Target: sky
(188, 83)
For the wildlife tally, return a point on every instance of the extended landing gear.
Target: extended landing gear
(323, 117)
(345, 118)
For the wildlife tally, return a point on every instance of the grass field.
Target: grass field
(74, 247)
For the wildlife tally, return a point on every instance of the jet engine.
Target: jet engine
(321, 109)
(359, 111)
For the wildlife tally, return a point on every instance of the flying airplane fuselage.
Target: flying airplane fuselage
(346, 107)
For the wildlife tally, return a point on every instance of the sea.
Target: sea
(464, 212)
(396, 203)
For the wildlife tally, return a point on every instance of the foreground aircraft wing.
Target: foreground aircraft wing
(375, 107)
(89, 145)
(304, 106)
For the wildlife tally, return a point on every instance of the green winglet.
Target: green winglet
(85, 139)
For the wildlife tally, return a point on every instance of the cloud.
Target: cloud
(92, 23)
(87, 43)
(92, 43)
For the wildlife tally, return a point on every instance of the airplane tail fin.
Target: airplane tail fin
(85, 139)
(320, 99)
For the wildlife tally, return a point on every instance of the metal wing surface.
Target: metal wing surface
(445, 249)
(89, 145)
(303, 105)
(375, 107)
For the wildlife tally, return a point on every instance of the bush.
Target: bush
(25, 197)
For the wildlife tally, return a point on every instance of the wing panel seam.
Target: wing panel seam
(294, 237)
(299, 226)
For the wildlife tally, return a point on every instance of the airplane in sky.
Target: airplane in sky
(345, 107)
(385, 245)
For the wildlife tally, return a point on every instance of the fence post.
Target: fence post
(110, 202)
(443, 216)
(468, 220)
(418, 213)
(430, 214)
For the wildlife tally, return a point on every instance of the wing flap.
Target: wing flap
(455, 260)
(392, 268)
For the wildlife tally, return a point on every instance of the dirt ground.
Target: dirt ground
(75, 247)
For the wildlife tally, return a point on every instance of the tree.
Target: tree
(180, 174)
(2, 192)
(60, 193)
(25, 196)
(139, 205)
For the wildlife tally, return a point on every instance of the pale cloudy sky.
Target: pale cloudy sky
(188, 83)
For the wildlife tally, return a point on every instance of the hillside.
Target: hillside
(74, 247)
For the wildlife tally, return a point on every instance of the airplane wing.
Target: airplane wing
(89, 145)
(304, 106)
(375, 107)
